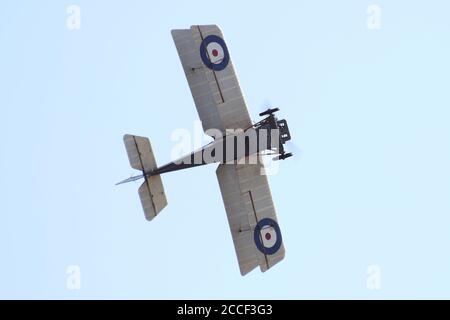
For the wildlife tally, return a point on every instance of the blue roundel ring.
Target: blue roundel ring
(257, 236)
(204, 53)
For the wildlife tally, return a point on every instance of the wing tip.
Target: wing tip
(245, 271)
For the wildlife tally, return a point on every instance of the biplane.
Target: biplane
(238, 147)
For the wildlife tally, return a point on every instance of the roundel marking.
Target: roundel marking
(214, 53)
(267, 236)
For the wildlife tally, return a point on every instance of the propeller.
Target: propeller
(291, 149)
(292, 146)
(264, 105)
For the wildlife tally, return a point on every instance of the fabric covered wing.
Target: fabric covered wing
(211, 77)
(251, 215)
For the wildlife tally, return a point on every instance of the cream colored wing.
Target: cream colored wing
(211, 77)
(251, 215)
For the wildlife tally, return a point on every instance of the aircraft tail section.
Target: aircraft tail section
(141, 157)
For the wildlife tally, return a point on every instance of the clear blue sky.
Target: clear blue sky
(369, 110)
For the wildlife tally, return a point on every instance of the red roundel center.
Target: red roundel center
(215, 53)
(267, 236)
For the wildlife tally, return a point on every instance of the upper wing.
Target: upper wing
(251, 215)
(211, 77)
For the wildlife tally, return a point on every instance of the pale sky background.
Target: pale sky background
(369, 109)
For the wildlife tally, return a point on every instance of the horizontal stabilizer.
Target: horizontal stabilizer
(152, 196)
(141, 157)
(139, 153)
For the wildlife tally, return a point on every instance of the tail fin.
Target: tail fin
(141, 157)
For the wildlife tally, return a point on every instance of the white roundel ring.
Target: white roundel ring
(267, 236)
(214, 53)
